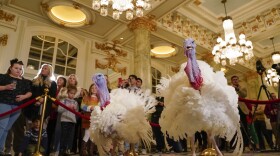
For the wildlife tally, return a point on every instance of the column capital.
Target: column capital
(143, 22)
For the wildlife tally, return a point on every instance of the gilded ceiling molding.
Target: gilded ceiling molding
(45, 6)
(6, 16)
(4, 40)
(187, 28)
(113, 51)
(76, 5)
(197, 2)
(175, 69)
(143, 22)
(260, 22)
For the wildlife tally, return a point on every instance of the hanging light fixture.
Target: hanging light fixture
(272, 78)
(120, 6)
(231, 49)
(275, 55)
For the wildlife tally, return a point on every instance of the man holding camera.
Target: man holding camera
(243, 109)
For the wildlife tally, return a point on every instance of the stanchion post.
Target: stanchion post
(37, 153)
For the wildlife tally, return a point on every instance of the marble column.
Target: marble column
(142, 27)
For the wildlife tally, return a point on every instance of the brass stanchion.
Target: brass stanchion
(131, 151)
(37, 153)
(209, 152)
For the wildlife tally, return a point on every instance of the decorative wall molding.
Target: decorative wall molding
(143, 22)
(185, 27)
(109, 64)
(4, 40)
(260, 22)
(113, 51)
(111, 48)
(8, 17)
(175, 69)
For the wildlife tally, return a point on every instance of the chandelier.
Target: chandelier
(275, 55)
(120, 6)
(272, 78)
(231, 49)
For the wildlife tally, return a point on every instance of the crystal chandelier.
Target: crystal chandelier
(120, 6)
(275, 55)
(232, 49)
(272, 78)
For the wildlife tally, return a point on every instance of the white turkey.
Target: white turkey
(197, 98)
(121, 116)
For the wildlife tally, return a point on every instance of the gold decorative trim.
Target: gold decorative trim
(175, 69)
(107, 47)
(197, 2)
(6, 16)
(187, 28)
(143, 22)
(113, 51)
(4, 40)
(111, 66)
(260, 22)
(45, 6)
(76, 5)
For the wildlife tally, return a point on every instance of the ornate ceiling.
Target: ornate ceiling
(180, 19)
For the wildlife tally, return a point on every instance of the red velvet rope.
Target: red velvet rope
(259, 101)
(71, 110)
(19, 107)
(154, 124)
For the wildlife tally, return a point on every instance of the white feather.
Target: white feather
(125, 118)
(213, 108)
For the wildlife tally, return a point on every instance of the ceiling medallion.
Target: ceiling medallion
(163, 50)
(67, 13)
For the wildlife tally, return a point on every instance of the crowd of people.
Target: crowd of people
(255, 130)
(64, 133)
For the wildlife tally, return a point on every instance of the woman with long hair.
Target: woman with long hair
(54, 127)
(43, 79)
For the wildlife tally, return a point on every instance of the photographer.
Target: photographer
(271, 111)
(243, 109)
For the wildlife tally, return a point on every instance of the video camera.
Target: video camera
(259, 67)
(277, 68)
